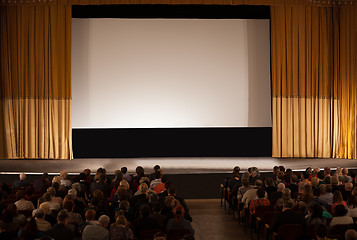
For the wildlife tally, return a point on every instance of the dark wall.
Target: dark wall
(172, 142)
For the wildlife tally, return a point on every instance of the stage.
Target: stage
(168, 165)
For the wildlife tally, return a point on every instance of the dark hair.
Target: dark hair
(172, 189)
(140, 171)
(157, 174)
(321, 230)
(164, 178)
(236, 169)
(29, 231)
(282, 168)
(316, 210)
(306, 175)
(261, 193)
(340, 210)
(145, 210)
(156, 167)
(268, 181)
(352, 201)
(62, 216)
(321, 175)
(124, 169)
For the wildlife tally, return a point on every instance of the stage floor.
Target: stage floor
(168, 165)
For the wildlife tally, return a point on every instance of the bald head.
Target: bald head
(22, 176)
(351, 234)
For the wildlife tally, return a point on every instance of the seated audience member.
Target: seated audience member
(344, 172)
(352, 206)
(49, 217)
(314, 185)
(260, 201)
(335, 183)
(156, 214)
(119, 230)
(74, 218)
(306, 197)
(279, 178)
(306, 178)
(351, 234)
(244, 188)
(337, 200)
(42, 224)
(254, 175)
(157, 179)
(135, 180)
(275, 196)
(30, 231)
(101, 185)
(54, 206)
(286, 196)
(321, 176)
(326, 197)
(179, 222)
(98, 231)
(346, 191)
(340, 216)
(22, 203)
(60, 230)
(314, 215)
(161, 187)
(269, 186)
(321, 231)
(144, 222)
(234, 184)
(293, 186)
(126, 176)
(152, 175)
(22, 182)
(62, 179)
(252, 193)
(124, 207)
(287, 216)
(40, 185)
(118, 176)
(89, 216)
(8, 224)
(139, 197)
(54, 198)
(327, 171)
(172, 192)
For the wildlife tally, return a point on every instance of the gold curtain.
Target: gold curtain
(305, 104)
(346, 73)
(35, 54)
(313, 52)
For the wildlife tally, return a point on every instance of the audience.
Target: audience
(126, 206)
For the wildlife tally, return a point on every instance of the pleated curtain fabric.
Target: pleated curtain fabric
(313, 52)
(35, 58)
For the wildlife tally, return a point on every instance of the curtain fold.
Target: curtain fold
(35, 54)
(304, 102)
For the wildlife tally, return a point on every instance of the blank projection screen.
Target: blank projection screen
(170, 73)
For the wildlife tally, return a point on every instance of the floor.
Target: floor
(212, 222)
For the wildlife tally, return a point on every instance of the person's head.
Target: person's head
(87, 172)
(344, 171)
(316, 170)
(124, 205)
(98, 194)
(286, 194)
(322, 189)
(315, 210)
(289, 171)
(280, 175)
(63, 217)
(124, 184)
(321, 231)
(261, 193)
(245, 182)
(140, 171)
(351, 234)
(337, 197)
(334, 180)
(327, 171)
(293, 179)
(258, 183)
(156, 168)
(348, 186)
(102, 177)
(153, 197)
(302, 186)
(64, 174)
(72, 192)
(143, 188)
(47, 196)
(164, 178)
(282, 168)
(22, 176)
(20, 194)
(268, 181)
(121, 219)
(321, 175)
(157, 174)
(172, 190)
(352, 201)
(38, 213)
(314, 181)
(276, 169)
(280, 187)
(306, 175)
(104, 220)
(309, 170)
(52, 191)
(68, 204)
(340, 210)
(236, 169)
(144, 180)
(179, 212)
(169, 200)
(124, 170)
(145, 210)
(90, 215)
(327, 179)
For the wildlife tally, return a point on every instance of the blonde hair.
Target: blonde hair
(124, 184)
(314, 181)
(121, 219)
(64, 174)
(143, 188)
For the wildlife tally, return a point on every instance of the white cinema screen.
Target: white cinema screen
(170, 73)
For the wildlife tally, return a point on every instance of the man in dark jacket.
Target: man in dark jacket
(287, 216)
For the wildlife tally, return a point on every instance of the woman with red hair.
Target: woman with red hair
(179, 222)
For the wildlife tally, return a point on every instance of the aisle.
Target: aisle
(212, 222)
